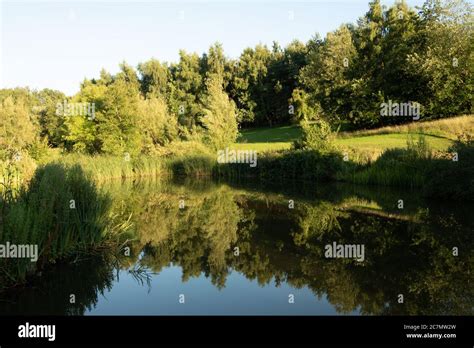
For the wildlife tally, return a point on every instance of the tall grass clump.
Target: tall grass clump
(177, 158)
(285, 165)
(437, 175)
(397, 167)
(105, 167)
(63, 213)
(16, 168)
(189, 158)
(317, 136)
(192, 165)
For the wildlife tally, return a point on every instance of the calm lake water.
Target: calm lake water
(201, 247)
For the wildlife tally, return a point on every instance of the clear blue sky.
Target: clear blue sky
(56, 44)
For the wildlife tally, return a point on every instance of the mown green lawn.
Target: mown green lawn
(282, 134)
(277, 138)
(268, 139)
(387, 141)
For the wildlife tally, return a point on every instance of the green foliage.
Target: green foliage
(400, 80)
(219, 120)
(287, 166)
(316, 136)
(18, 128)
(394, 54)
(416, 167)
(158, 127)
(105, 167)
(81, 134)
(214, 63)
(154, 78)
(117, 129)
(186, 88)
(63, 213)
(395, 167)
(419, 148)
(192, 165)
(446, 59)
(304, 109)
(263, 82)
(327, 75)
(248, 81)
(51, 123)
(80, 129)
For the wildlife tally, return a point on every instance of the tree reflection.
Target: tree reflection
(253, 232)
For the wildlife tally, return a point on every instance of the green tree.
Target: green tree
(80, 129)
(248, 85)
(215, 63)
(51, 123)
(18, 128)
(154, 78)
(303, 107)
(186, 88)
(117, 128)
(317, 136)
(80, 134)
(327, 76)
(446, 60)
(402, 39)
(219, 120)
(157, 126)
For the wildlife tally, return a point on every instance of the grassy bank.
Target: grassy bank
(417, 166)
(440, 134)
(414, 166)
(62, 213)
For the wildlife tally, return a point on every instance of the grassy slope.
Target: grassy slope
(267, 139)
(439, 135)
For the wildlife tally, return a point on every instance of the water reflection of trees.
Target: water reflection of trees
(407, 253)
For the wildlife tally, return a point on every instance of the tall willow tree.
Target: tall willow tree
(157, 126)
(219, 120)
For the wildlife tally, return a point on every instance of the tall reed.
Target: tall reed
(63, 213)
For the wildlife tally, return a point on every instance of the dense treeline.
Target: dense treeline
(399, 53)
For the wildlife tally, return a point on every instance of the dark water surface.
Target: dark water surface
(240, 249)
